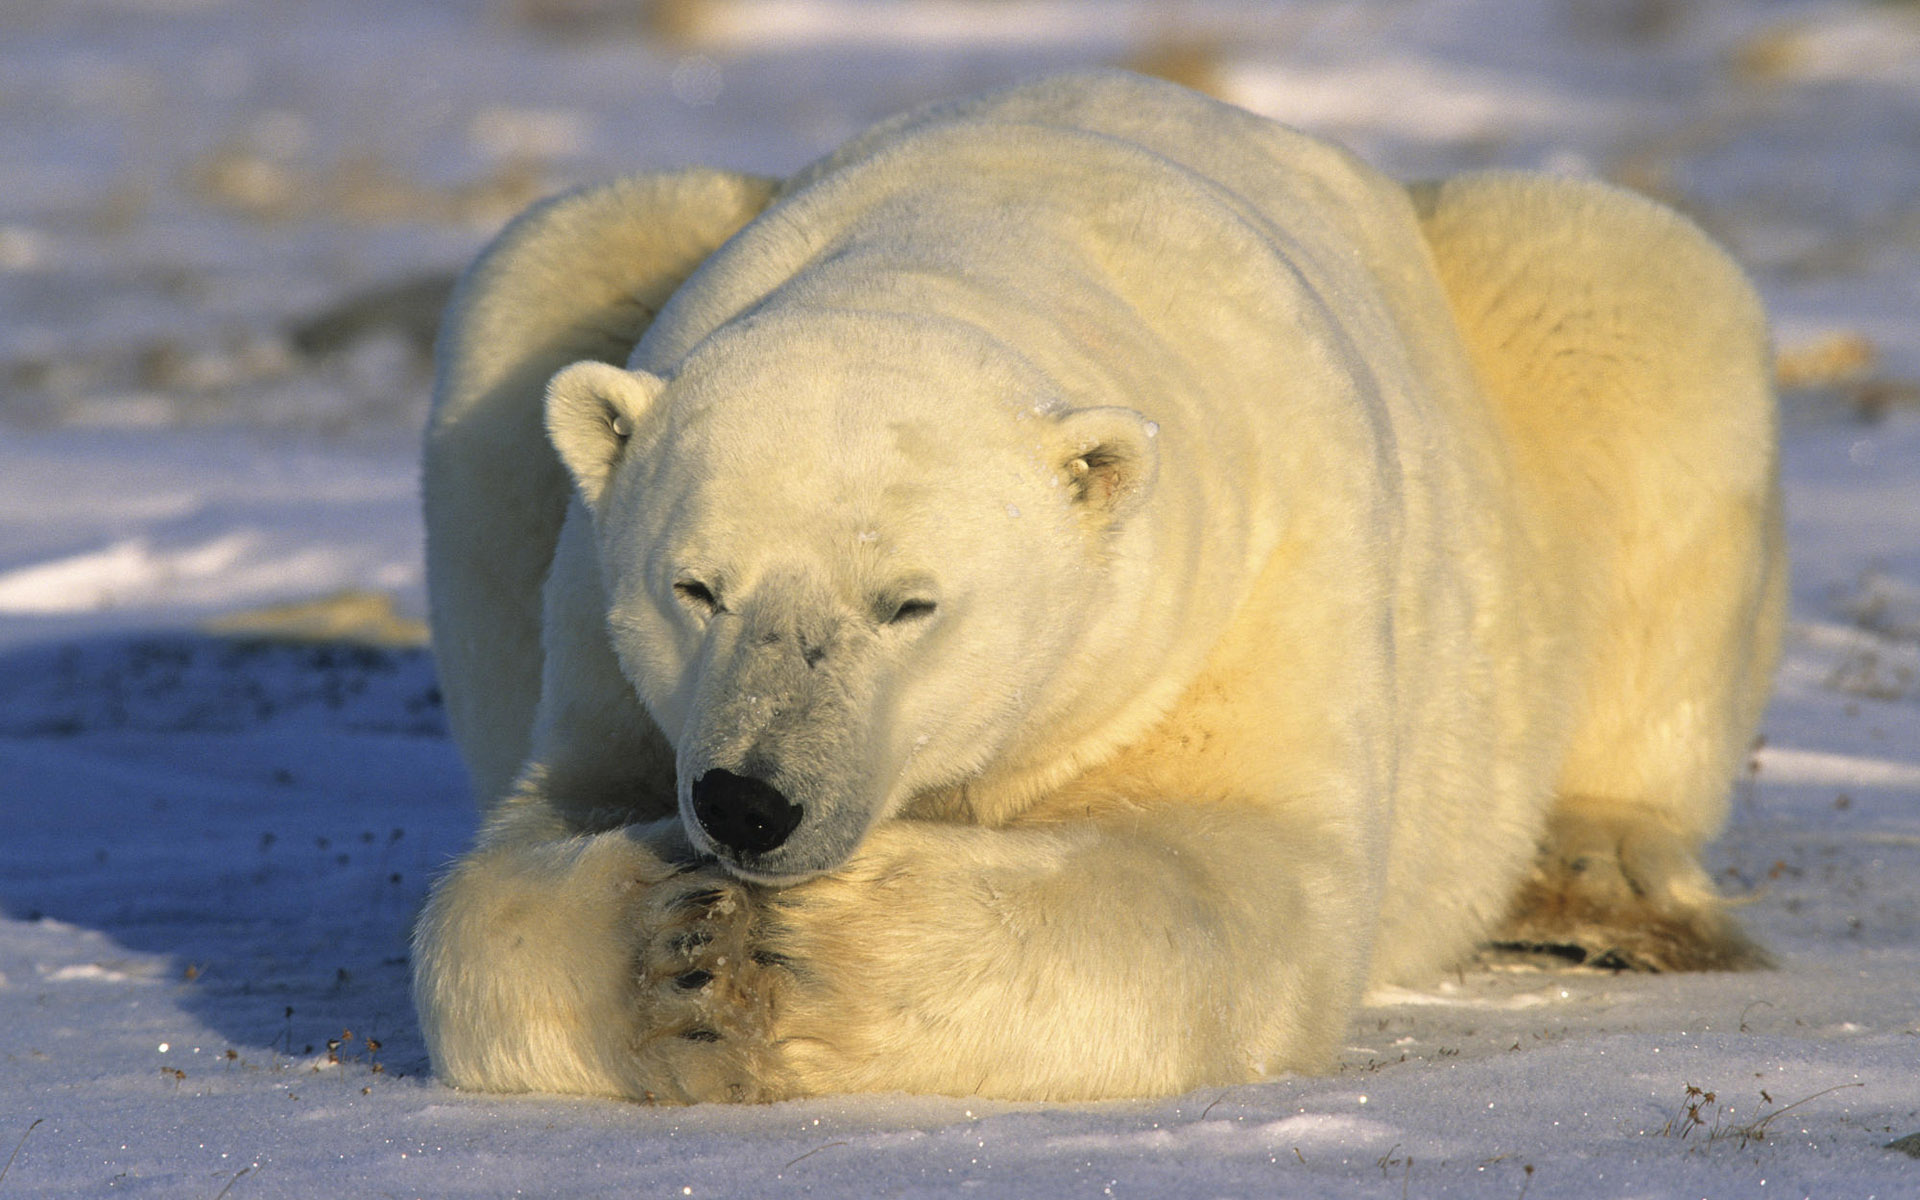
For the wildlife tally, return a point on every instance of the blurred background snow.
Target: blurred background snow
(245, 212)
(244, 215)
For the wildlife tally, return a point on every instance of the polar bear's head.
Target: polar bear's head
(845, 561)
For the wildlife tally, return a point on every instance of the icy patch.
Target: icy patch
(1324, 1131)
(98, 973)
(220, 570)
(794, 24)
(1452, 996)
(1778, 764)
(1425, 100)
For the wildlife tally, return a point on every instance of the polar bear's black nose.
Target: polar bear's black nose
(743, 813)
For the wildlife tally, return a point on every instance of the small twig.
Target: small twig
(1749, 1008)
(1209, 1108)
(802, 1158)
(16, 1147)
(1756, 1130)
(236, 1179)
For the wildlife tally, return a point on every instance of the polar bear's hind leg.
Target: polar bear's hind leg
(1615, 887)
(1626, 360)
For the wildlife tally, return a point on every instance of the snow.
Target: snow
(221, 223)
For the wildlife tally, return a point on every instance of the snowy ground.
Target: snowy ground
(224, 226)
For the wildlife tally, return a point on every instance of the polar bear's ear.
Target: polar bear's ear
(1109, 460)
(592, 410)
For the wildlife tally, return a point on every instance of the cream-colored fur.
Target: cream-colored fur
(1170, 577)
(576, 277)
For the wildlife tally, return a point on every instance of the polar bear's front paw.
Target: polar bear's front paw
(709, 983)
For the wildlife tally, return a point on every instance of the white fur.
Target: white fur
(1180, 577)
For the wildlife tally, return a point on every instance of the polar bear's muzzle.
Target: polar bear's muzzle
(743, 814)
(775, 758)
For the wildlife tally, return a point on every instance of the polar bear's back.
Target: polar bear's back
(1236, 148)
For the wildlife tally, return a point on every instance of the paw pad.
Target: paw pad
(707, 990)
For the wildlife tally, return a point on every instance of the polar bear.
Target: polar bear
(1061, 596)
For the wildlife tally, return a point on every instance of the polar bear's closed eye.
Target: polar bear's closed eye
(698, 596)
